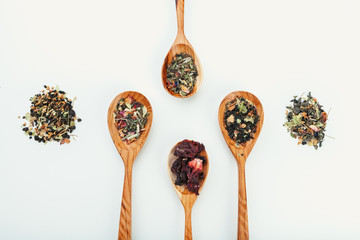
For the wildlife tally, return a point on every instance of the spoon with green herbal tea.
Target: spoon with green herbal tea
(187, 81)
(188, 195)
(241, 118)
(129, 121)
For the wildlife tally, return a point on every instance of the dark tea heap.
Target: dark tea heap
(241, 120)
(130, 119)
(306, 121)
(188, 167)
(51, 116)
(181, 74)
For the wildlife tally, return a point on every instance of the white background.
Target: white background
(97, 49)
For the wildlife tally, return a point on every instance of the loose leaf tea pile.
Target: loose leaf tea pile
(51, 117)
(130, 119)
(188, 167)
(181, 74)
(306, 121)
(241, 120)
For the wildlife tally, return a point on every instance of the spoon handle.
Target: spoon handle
(125, 213)
(180, 16)
(243, 230)
(188, 230)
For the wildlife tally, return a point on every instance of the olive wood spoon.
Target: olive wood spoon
(241, 153)
(181, 44)
(128, 153)
(187, 198)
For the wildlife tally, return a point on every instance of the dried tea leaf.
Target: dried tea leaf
(297, 119)
(242, 108)
(249, 119)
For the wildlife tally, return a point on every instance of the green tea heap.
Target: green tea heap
(130, 119)
(51, 117)
(306, 121)
(241, 120)
(181, 74)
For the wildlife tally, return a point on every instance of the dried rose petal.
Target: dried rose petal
(313, 127)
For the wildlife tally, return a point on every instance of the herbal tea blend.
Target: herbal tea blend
(130, 119)
(188, 167)
(51, 117)
(241, 120)
(306, 121)
(181, 74)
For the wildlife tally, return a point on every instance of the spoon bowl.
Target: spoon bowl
(181, 44)
(241, 153)
(128, 153)
(187, 197)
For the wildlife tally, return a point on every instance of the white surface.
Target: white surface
(97, 49)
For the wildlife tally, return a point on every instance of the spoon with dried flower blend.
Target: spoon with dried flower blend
(241, 117)
(129, 121)
(181, 71)
(188, 165)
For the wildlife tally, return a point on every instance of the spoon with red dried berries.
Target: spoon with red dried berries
(188, 166)
(130, 104)
(241, 117)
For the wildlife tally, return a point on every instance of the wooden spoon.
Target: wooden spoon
(241, 153)
(181, 44)
(187, 198)
(128, 153)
